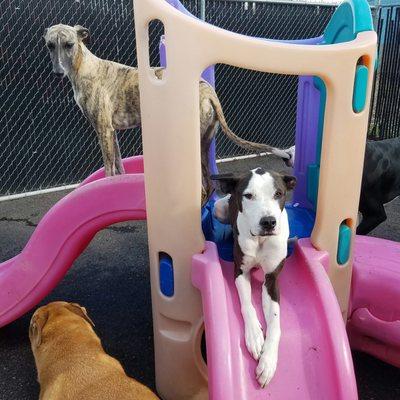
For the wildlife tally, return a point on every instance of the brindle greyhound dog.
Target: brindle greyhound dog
(108, 95)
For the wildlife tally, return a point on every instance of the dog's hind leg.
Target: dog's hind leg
(254, 336)
(106, 139)
(119, 166)
(206, 139)
(269, 357)
(372, 216)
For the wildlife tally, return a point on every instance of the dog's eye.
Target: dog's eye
(248, 196)
(68, 45)
(278, 194)
(51, 46)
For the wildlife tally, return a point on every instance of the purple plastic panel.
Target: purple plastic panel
(179, 6)
(308, 99)
(308, 105)
(314, 40)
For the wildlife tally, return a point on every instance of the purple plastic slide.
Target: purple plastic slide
(314, 355)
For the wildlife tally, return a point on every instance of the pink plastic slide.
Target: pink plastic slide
(64, 232)
(314, 355)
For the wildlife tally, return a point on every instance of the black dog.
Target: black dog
(380, 182)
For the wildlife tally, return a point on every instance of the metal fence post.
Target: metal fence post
(372, 128)
(203, 10)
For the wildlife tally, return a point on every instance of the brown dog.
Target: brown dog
(70, 359)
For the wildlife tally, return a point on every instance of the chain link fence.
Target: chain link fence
(385, 104)
(45, 140)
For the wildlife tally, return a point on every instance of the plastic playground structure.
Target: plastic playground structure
(331, 275)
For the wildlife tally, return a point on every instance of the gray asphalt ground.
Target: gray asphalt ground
(111, 279)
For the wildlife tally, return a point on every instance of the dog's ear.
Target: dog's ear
(81, 311)
(83, 33)
(45, 33)
(227, 182)
(36, 326)
(290, 181)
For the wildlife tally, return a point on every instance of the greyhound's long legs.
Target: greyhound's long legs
(207, 184)
(106, 139)
(118, 159)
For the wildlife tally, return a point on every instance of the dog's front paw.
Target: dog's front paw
(266, 367)
(254, 338)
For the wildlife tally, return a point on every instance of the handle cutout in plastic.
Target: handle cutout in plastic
(166, 275)
(344, 242)
(360, 86)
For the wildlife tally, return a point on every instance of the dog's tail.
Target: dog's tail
(258, 147)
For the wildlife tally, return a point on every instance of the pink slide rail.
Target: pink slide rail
(64, 232)
(314, 357)
(132, 165)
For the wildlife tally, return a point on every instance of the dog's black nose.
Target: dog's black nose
(59, 74)
(268, 223)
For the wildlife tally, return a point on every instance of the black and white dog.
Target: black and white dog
(255, 208)
(380, 182)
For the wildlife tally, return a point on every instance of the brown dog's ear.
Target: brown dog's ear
(227, 182)
(81, 311)
(290, 181)
(36, 327)
(83, 33)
